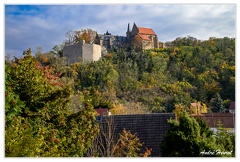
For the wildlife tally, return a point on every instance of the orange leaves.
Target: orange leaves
(129, 145)
(147, 152)
(85, 34)
(48, 72)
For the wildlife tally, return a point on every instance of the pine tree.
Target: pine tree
(188, 138)
(217, 103)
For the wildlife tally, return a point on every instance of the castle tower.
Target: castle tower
(128, 33)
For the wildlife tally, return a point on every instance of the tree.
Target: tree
(85, 34)
(37, 117)
(70, 35)
(178, 110)
(58, 50)
(20, 139)
(217, 103)
(129, 146)
(109, 144)
(73, 37)
(40, 98)
(188, 138)
(227, 140)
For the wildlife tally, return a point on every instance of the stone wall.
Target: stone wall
(82, 53)
(73, 53)
(91, 52)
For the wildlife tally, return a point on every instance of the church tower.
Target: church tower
(128, 33)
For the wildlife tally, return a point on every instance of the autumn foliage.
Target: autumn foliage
(37, 117)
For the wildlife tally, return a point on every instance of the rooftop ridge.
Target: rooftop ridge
(141, 114)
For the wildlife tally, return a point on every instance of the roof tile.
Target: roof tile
(144, 37)
(146, 31)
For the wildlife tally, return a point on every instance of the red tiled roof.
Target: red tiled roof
(144, 37)
(194, 104)
(148, 31)
(232, 105)
(102, 111)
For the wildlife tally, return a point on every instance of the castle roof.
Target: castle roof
(144, 37)
(148, 31)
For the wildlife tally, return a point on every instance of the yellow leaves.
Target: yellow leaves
(118, 109)
(198, 108)
(128, 146)
(204, 108)
(153, 53)
(179, 108)
(213, 87)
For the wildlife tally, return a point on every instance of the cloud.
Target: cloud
(46, 25)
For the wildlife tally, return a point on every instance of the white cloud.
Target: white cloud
(46, 25)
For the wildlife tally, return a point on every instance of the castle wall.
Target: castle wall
(73, 53)
(156, 42)
(82, 53)
(91, 52)
(96, 52)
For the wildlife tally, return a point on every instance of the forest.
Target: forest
(187, 70)
(49, 106)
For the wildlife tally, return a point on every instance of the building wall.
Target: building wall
(134, 30)
(149, 128)
(96, 52)
(82, 53)
(73, 53)
(91, 52)
(156, 45)
(108, 40)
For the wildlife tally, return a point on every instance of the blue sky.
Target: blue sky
(46, 25)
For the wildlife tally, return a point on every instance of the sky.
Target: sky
(45, 25)
(32, 26)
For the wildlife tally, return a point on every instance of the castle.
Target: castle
(139, 37)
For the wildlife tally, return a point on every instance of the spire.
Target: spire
(107, 33)
(128, 27)
(134, 24)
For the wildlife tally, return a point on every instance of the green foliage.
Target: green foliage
(227, 140)
(188, 138)
(43, 95)
(21, 139)
(37, 116)
(187, 70)
(79, 133)
(217, 103)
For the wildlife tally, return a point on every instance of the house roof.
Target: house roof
(194, 104)
(149, 128)
(148, 31)
(102, 111)
(227, 119)
(232, 105)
